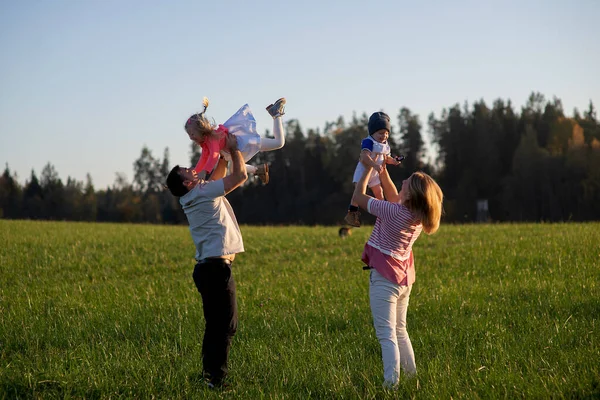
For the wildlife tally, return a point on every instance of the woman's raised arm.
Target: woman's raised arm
(360, 197)
(390, 192)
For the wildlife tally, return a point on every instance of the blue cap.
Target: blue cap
(377, 121)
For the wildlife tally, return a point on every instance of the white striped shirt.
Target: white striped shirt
(395, 231)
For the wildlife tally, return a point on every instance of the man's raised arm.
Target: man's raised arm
(238, 170)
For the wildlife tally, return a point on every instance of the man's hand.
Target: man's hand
(231, 144)
(238, 168)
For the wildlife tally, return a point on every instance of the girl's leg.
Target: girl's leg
(251, 169)
(262, 171)
(377, 191)
(383, 295)
(407, 356)
(268, 144)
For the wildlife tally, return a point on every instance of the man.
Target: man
(218, 239)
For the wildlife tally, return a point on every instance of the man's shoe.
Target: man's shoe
(262, 171)
(215, 383)
(277, 109)
(353, 218)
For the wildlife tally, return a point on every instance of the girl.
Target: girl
(243, 125)
(388, 253)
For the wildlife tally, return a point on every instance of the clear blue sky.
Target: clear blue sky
(86, 84)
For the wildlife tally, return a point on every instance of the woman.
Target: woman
(400, 220)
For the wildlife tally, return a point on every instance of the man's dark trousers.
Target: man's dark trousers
(216, 286)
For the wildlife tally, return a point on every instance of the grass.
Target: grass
(111, 311)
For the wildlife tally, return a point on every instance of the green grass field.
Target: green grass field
(111, 311)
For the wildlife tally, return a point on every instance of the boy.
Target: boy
(375, 151)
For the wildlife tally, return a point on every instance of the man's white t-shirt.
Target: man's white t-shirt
(213, 225)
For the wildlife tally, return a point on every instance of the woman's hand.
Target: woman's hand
(389, 189)
(360, 191)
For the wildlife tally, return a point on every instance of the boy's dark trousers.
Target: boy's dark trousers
(216, 286)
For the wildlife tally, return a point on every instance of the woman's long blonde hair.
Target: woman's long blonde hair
(425, 201)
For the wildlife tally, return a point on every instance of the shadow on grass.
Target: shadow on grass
(46, 389)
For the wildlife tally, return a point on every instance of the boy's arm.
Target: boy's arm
(391, 160)
(367, 161)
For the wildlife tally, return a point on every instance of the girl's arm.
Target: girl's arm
(367, 161)
(360, 197)
(213, 153)
(389, 189)
(202, 161)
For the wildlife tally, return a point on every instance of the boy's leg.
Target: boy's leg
(276, 110)
(377, 191)
(352, 217)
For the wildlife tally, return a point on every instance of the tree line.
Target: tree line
(493, 164)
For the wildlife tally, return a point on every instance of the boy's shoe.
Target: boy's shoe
(353, 218)
(262, 171)
(277, 109)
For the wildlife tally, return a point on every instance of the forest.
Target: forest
(494, 164)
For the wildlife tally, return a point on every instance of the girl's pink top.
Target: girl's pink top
(389, 248)
(211, 149)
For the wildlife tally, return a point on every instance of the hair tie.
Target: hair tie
(205, 104)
